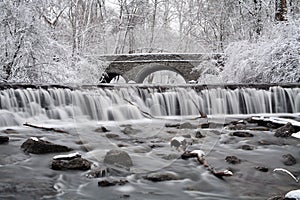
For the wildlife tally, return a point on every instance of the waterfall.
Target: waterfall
(123, 103)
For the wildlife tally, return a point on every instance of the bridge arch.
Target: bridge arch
(148, 69)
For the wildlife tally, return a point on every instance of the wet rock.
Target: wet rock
(118, 158)
(285, 131)
(247, 147)
(289, 159)
(111, 182)
(111, 135)
(130, 131)
(98, 172)
(38, 146)
(161, 176)
(172, 125)
(3, 139)
(212, 125)
(187, 125)
(178, 141)
(171, 156)
(101, 129)
(237, 127)
(233, 160)
(74, 164)
(187, 136)
(9, 131)
(262, 169)
(124, 196)
(242, 134)
(199, 135)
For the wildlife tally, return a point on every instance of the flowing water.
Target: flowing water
(148, 111)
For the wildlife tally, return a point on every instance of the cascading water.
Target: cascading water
(123, 103)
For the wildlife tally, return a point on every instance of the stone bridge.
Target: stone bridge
(137, 67)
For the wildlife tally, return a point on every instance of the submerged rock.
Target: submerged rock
(119, 158)
(242, 134)
(247, 147)
(101, 129)
(262, 169)
(74, 164)
(285, 131)
(289, 159)
(187, 125)
(161, 176)
(4, 139)
(233, 160)
(9, 131)
(38, 146)
(128, 130)
(111, 182)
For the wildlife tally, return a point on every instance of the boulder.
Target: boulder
(74, 164)
(233, 160)
(242, 134)
(262, 168)
(285, 131)
(38, 146)
(199, 135)
(4, 139)
(118, 158)
(178, 141)
(161, 176)
(289, 159)
(111, 182)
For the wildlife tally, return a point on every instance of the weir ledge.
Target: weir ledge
(196, 87)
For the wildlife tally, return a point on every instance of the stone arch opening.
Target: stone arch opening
(151, 68)
(108, 77)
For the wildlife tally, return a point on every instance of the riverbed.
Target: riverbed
(147, 142)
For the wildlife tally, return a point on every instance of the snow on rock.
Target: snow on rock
(294, 194)
(296, 135)
(68, 156)
(178, 141)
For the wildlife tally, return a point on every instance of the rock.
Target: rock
(4, 139)
(119, 158)
(130, 131)
(67, 157)
(74, 164)
(111, 182)
(161, 176)
(212, 125)
(38, 146)
(294, 194)
(124, 196)
(247, 147)
(101, 129)
(187, 136)
(172, 125)
(9, 131)
(262, 169)
(242, 134)
(199, 135)
(237, 127)
(285, 131)
(98, 172)
(289, 159)
(187, 125)
(178, 141)
(112, 135)
(233, 160)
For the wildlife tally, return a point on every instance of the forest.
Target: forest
(58, 41)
